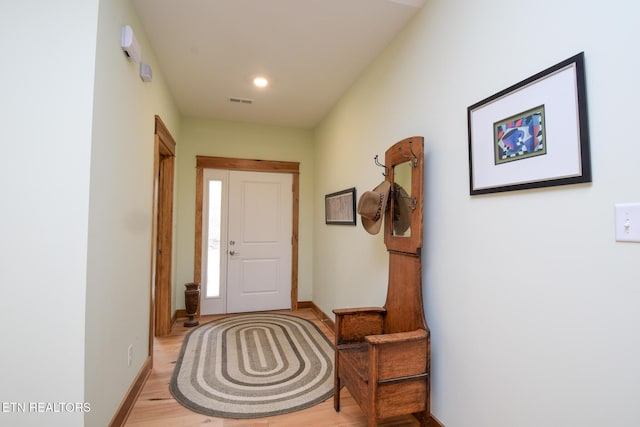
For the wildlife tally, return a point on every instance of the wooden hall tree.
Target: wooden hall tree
(382, 354)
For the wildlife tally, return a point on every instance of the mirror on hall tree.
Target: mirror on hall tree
(401, 191)
(403, 222)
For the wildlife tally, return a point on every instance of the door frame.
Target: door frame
(228, 163)
(162, 234)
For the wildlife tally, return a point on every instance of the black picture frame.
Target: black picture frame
(533, 134)
(340, 207)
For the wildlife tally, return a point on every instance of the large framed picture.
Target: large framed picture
(340, 207)
(532, 134)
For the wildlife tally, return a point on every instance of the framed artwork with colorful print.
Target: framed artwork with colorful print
(532, 134)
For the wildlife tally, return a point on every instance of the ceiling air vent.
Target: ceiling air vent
(240, 100)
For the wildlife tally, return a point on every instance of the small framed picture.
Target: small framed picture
(532, 134)
(340, 207)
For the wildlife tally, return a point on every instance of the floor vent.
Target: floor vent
(240, 100)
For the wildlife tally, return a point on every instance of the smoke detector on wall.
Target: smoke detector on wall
(129, 44)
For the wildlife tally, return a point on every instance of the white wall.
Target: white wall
(532, 305)
(46, 97)
(201, 137)
(120, 216)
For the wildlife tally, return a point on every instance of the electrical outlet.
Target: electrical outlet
(129, 354)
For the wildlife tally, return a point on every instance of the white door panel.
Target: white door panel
(260, 218)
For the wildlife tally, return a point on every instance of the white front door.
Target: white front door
(259, 241)
(247, 248)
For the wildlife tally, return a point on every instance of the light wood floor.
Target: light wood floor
(156, 407)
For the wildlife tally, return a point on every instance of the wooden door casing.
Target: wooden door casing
(162, 244)
(207, 162)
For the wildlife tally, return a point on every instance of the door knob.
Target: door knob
(234, 253)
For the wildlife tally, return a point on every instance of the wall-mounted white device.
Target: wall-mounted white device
(129, 44)
(628, 222)
(146, 73)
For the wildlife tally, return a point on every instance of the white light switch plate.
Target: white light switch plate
(628, 222)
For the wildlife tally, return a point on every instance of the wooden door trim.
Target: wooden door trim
(206, 162)
(166, 140)
(227, 163)
(162, 245)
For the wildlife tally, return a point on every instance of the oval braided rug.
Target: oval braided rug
(253, 366)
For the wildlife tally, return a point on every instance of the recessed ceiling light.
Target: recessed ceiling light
(260, 82)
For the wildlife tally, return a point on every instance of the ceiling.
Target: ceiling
(311, 51)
